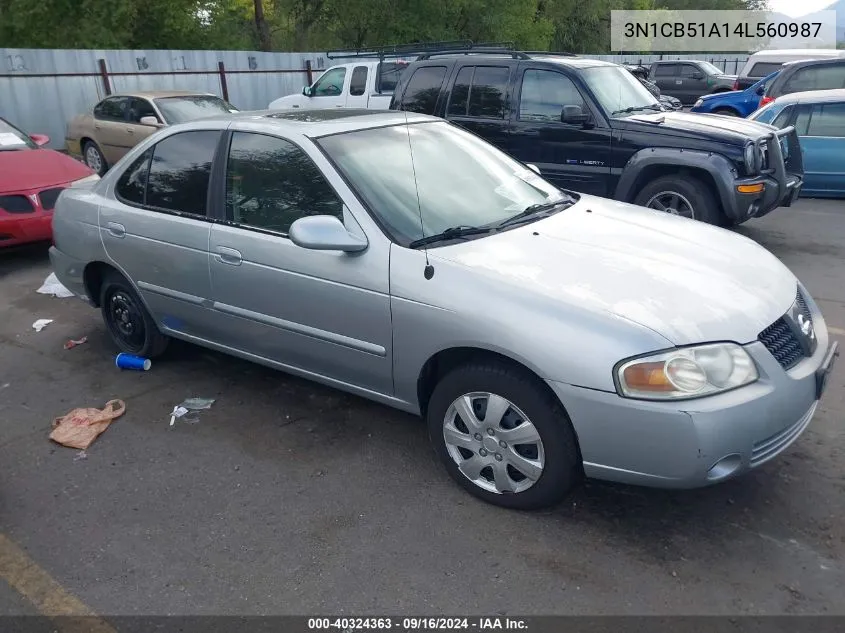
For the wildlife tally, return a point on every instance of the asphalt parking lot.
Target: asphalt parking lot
(291, 498)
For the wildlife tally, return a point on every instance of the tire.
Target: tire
(93, 157)
(523, 398)
(136, 333)
(726, 112)
(690, 191)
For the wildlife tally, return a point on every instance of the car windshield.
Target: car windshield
(11, 138)
(189, 108)
(618, 91)
(710, 69)
(451, 178)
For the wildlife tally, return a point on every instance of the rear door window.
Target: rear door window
(423, 89)
(816, 78)
(480, 92)
(666, 70)
(180, 171)
(358, 82)
(112, 109)
(823, 119)
(762, 69)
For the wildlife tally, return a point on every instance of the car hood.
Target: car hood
(26, 169)
(688, 281)
(694, 125)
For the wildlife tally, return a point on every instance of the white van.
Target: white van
(764, 63)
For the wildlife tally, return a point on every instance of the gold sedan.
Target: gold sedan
(119, 122)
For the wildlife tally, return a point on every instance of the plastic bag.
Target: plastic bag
(80, 427)
(52, 286)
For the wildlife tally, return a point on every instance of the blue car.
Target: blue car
(819, 120)
(736, 102)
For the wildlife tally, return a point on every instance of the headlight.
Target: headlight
(753, 158)
(690, 372)
(85, 181)
(698, 103)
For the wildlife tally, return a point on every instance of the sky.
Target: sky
(796, 8)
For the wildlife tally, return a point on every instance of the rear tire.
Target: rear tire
(530, 459)
(130, 325)
(94, 158)
(689, 194)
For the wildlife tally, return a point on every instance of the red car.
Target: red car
(31, 179)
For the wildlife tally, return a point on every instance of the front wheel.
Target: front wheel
(127, 320)
(682, 195)
(503, 437)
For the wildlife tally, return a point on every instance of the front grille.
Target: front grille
(16, 204)
(780, 340)
(763, 451)
(48, 197)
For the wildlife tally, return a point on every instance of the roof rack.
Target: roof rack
(414, 48)
(491, 50)
(552, 53)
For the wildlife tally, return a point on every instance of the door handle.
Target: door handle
(98, 127)
(226, 255)
(130, 130)
(115, 229)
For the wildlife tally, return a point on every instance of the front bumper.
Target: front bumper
(699, 442)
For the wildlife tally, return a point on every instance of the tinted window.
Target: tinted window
(132, 183)
(358, 81)
(270, 183)
(761, 69)
(330, 84)
(141, 108)
(689, 71)
(423, 89)
(544, 93)
(390, 72)
(488, 90)
(180, 170)
(666, 70)
(816, 78)
(114, 108)
(781, 119)
(826, 120)
(460, 92)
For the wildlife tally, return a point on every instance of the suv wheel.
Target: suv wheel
(503, 437)
(681, 195)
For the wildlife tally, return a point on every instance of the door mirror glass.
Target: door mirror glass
(533, 168)
(574, 114)
(40, 139)
(324, 233)
(697, 75)
(307, 91)
(150, 121)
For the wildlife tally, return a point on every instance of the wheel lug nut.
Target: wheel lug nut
(483, 452)
(491, 432)
(503, 444)
(477, 436)
(498, 457)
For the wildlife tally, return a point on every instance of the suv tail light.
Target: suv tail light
(765, 101)
(736, 84)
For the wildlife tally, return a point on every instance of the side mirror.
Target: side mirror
(40, 139)
(533, 168)
(574, 114)
(150, 121)
(325, 233)
(697, 76)
(307, 91)
(760, 90)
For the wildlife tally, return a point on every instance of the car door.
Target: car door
(358, 96)
(328, 91)
(478, 101)
(139, 108)
(573, 156)
(693, 83)
(110, 128)
(326, 313)
(821, 132)
(155, 228)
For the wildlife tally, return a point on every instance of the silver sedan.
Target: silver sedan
(543, 334)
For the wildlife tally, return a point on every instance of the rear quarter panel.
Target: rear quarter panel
(76, 231)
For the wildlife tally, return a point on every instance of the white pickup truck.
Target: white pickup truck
(364, 84)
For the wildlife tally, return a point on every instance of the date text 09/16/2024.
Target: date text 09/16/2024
(416, 624)
(749, 30)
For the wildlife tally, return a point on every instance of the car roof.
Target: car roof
(813, 96)
(311, 123)
(786, 52)
(830, 61)
(572, 62)
(158, 94)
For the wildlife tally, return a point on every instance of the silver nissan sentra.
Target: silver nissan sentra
(543, 334)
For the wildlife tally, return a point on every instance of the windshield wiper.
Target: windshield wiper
(534, 209)
(452, 233)
(653, 106)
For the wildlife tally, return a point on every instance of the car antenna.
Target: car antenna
(428, 272)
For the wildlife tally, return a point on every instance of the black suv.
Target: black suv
(814, 74)
(590, 126)
(689, 79)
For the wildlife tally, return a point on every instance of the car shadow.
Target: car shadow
(16, 258)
